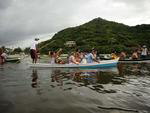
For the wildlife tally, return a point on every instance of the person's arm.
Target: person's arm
(58, 52)
(94, 58)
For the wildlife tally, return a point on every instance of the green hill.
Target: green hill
(105, 36)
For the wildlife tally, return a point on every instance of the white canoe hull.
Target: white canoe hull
(102, 64)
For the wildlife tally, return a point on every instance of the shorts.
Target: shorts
(33, 54)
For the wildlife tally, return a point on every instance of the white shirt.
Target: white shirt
(144, 51)
(33, 45)
(52, 60)
(83, 61)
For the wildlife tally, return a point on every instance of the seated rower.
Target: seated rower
(144, 52)
(52, 57)
(134, 55)
(78, 56)
(92, 57)
(55, 57)
(58, 59)
(83, 58)
(114, 56)
(72, 59)
(122, 56)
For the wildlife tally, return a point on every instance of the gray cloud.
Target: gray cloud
(5, 4)
(137, 5)
(133, 2)
(21, 19)
(27, 17)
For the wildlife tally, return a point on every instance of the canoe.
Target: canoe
(102, 64)
(135, 61)
(12, 59)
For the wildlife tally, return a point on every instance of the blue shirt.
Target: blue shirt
(89, 58)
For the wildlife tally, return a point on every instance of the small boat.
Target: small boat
(135, 61)
(102, 64)
(105, 56)
(13, 59)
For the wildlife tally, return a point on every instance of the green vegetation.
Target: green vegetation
(27, 50)
(105, 36)
(17, 50)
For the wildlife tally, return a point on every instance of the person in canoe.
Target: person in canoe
(33, 50)
(122, 55)
(135, 55)
(72, 59)
(91, 57)
(78, 55)
(113, 55)
(52, 57)
(144, 52)
(55, 57)
(83, 58)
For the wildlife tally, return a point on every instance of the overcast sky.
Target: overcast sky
(22, 20)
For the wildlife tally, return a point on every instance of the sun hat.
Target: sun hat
(36, 39)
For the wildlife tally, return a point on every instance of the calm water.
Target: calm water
(122, 89)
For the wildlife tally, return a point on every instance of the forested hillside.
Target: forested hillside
(105, 36)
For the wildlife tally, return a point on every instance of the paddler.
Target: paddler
(33, 50)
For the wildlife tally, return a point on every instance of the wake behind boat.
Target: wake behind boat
(102, 64)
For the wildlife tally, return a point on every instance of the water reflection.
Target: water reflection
(79, 77)
(56, 76)
(134, 69)
(85, 76)
(95, 79)
(116, 75)
(34, 78)
(125, 86)
(90, 78)
(82, 91)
